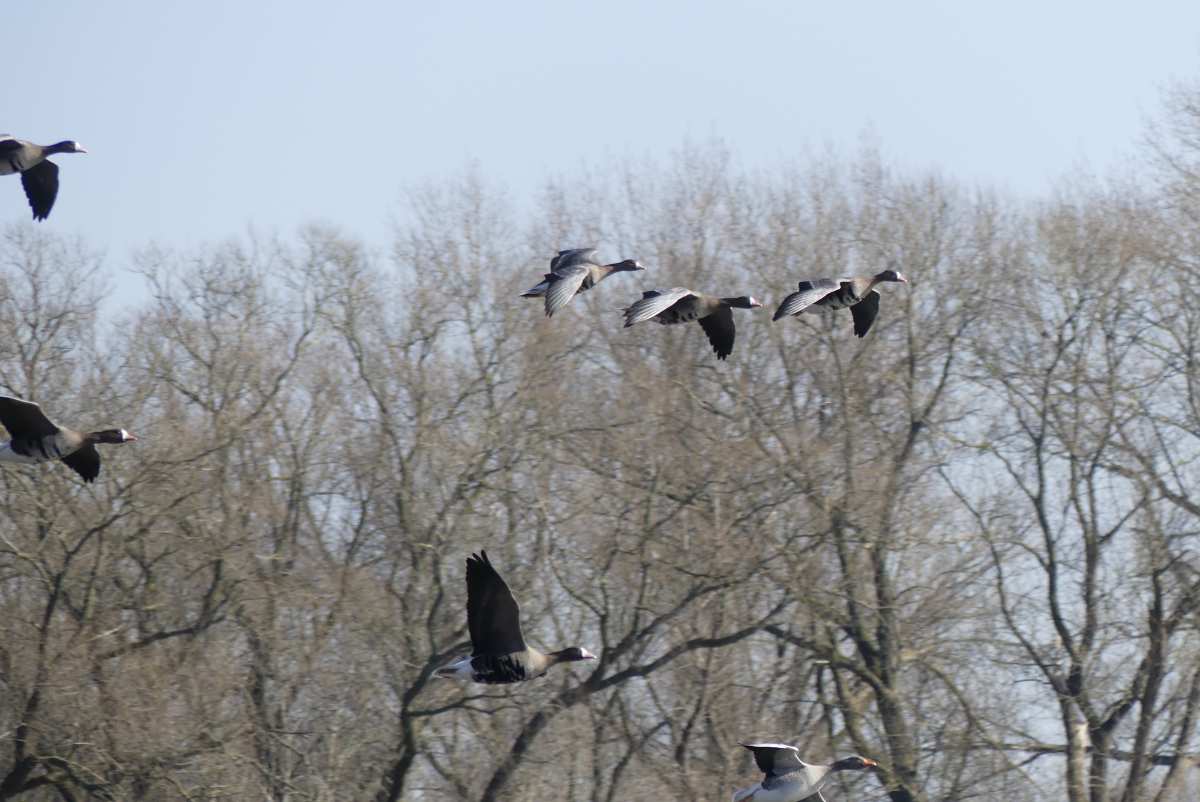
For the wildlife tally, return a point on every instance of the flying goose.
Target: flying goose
(39, 175)
(857, 293)
(499, 653)
(788, 778)
(36, 438)
(681, 305)
(572, 272)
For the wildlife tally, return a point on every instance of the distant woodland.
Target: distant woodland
(967, 545)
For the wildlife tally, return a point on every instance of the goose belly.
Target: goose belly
(8, 455)
(501, 669)
(16, 161)
(672, 316)
(841, 299)
(787, 792)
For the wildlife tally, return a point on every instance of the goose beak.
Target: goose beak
(130, 438)
(870, 764)
(587, 655)
(755, 304)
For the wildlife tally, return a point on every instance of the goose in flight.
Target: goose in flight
(858, 293)
(499, 653)
(681, 305)
(572, 272)
(35, 438)
(787, 778)
(39, 175)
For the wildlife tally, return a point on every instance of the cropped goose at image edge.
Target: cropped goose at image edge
(39, 175)
(35, 438)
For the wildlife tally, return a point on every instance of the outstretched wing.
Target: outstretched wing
(25, 419)
(864, 313)
(567, 282)
(809, 293)
(493, 616)
(85, 462)
(655, 302)
(775, 760)
(41, 188)
(573, 256)
(720, 330)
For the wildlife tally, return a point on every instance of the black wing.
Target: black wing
(41, 187)
(719, 328)
(492, 613)
(85, 462)
(25, 419)
(864, 313)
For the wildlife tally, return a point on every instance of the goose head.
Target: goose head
(628, 264)
(112, 436)
(67, 146)
(742, 302)
(854, 763)
(573, 655)
(891, 275)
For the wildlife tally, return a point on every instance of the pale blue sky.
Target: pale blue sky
(205, 117)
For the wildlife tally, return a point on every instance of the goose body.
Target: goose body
(681, 305)
(572, 272)
(499, 653)
(39, 176)
(787, 778)
(856, 293)
(35, 438)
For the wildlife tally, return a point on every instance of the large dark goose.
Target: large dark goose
(681, 305)
(39, 176)
(826, 293)
(787, 778)
(36, 438)
(499, 653)
(572, 272)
